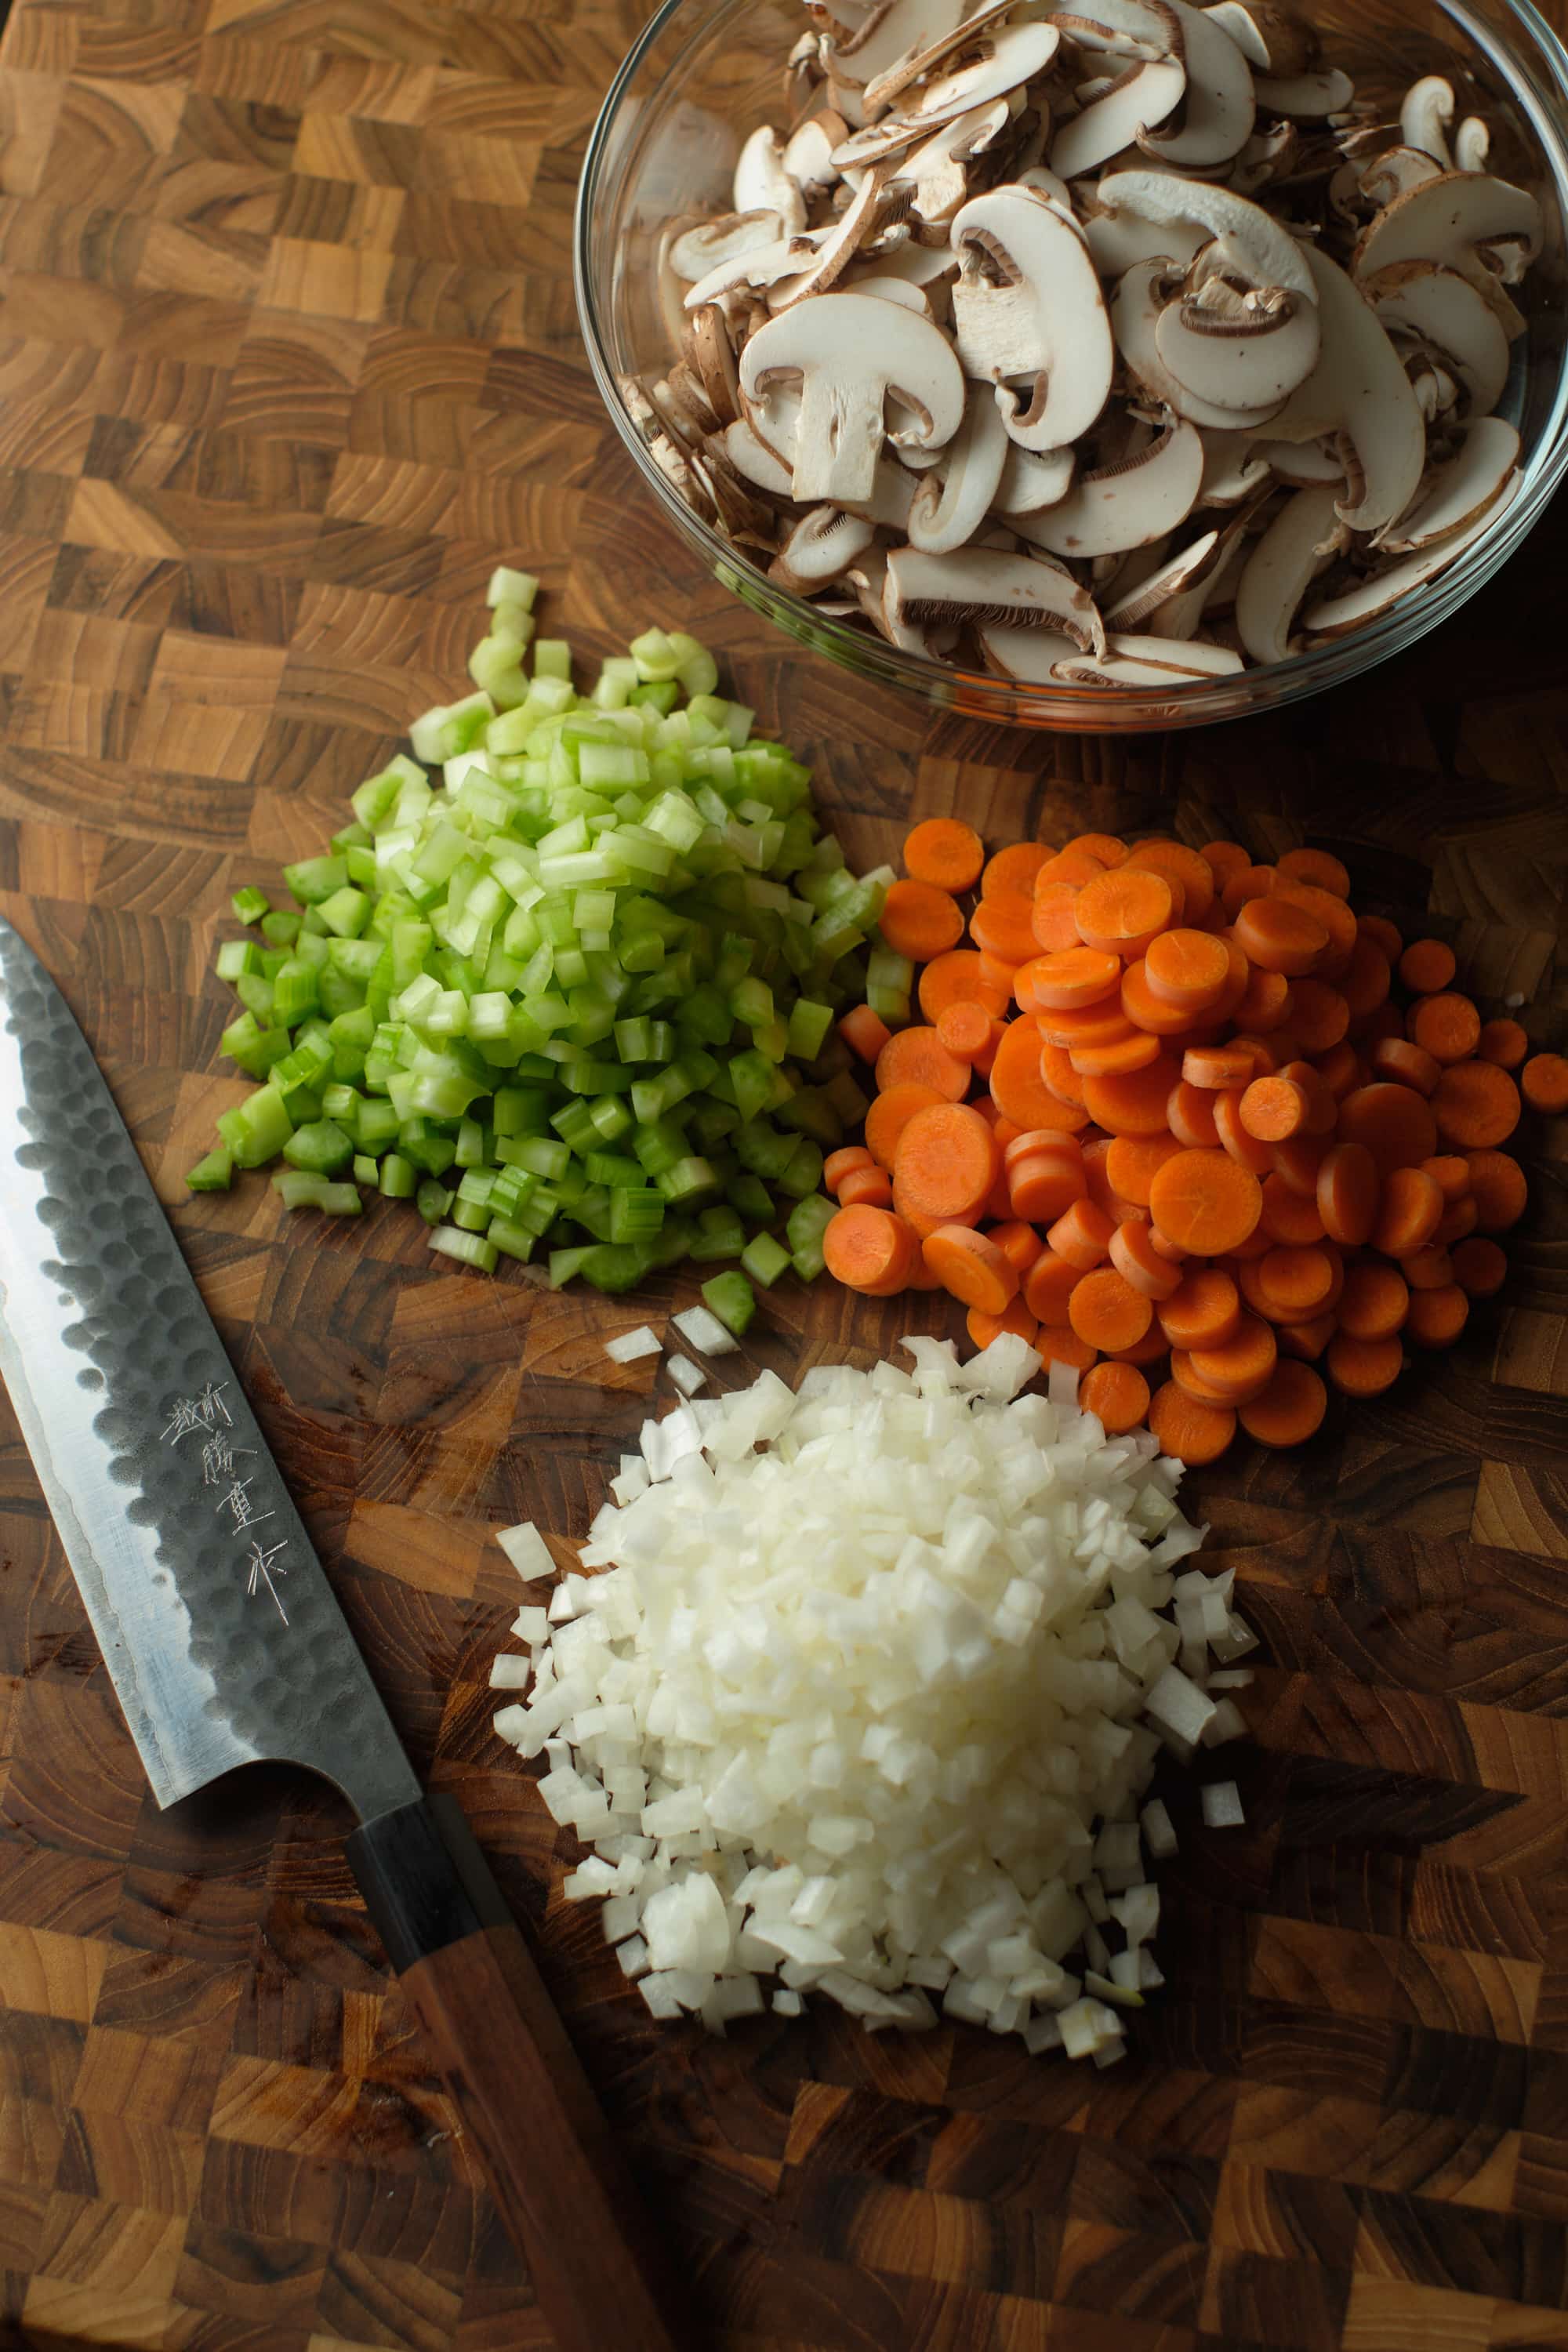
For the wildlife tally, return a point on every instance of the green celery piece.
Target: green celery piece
(616, 1266)
(366, 1170)
(249, 904)
(472, 1146)
(345, 912)
(397, 1177)
(511, 1188)
(720, 1233)
(256, 994)
(804, 1173)
(301, 1189)
(237, 959)
(553, 658)
(213, 1172)
(315, 878)
(337, 993)
(765, 1260)
(320, 1147)
(575, 1127)
(257, 1050)
(353, 1034)
(809, 1023)
(730, 1297)
(511, 1240)
(520, 1110)
(432, 1201)
(611, 1168)
(296, 991)
(468, 1249)
(564, 1263)
(635, 1213)
(751, 1079)
(508, 587)
(341, 1102)
(426, 1145)
(659, 1144)
(689, 1180)
(377, 1125)
(750, 1198)
(810, 1111)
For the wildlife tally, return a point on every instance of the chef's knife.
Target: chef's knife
(226, 1645)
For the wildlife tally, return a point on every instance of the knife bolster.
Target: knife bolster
(426, 1883)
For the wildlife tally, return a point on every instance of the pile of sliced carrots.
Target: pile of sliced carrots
(1168, 1102)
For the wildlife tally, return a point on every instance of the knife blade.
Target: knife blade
(226, 1645)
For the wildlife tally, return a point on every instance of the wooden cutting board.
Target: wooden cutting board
(287, 360)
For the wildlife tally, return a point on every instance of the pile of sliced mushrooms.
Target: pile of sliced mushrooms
(1117, 346)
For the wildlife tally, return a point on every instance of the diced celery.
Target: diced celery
(432, 1201)
(765, 1260)
(509, 587)
(730, 1297)
(321, 1146)
(249, 904)
(397, 1177)
(213, 1172)
(303, 1188)
(720, 1233)
(468, 1249)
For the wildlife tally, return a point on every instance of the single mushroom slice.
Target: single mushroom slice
(1467, 486)
(821, 547)
(1219, 107)
(952, 503)
(925, 267)
(1138, 100)
(1245, 353)
(1359, 388)
(752, 268)
(1235, 469)
(1124, 28)
(763, 182)
(887, 31)
(1424, 114)
(1120, 506)
(1267, 156)
(754, 460)
(808, 154)
(1033, 478)
(927, 56)
(1148, 662)
(892, 495)
(698, 251)
(1045, 183)
(1172, 579)
(937, 170)
(1449, 314)
(1304, 98)
(1446, 220)
(1004, 60)
(1395, 173)
(707, 348)
(1304, 464)
(1245, 242)
(1027, 310)
(836, 250)
(1118, 241)
(1270, 39)
(1472, 144)
(853, 355)
(1374, 597)
(986, 589)
(1302, 540)
(1026, 656)
(1135, 311)
(868, 279)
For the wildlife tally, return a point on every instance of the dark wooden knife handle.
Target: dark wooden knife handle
(553, 2168)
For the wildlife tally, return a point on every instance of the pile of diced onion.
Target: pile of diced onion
(866, 1693)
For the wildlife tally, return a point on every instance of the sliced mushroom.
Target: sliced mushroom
(1125, 505)
(836, 250)
(1304, 464)
(1470, 483)
(675, 464)
(1245, 241)
(1446, 220)
(928, 55)
(1148, 662)
(1125, 28)
(936, 169)
(1359, 388)
(1033, 478)
(1141, 97)
(1395, 173)
(1243, 356)
(1374, 597)
(1304, 98)
(1267, 156)
(1235, 469)
(1170, 579)
(1424, 116)
(1304, 536)
(752, 268)
(753, 459)
(1472, 144)
(821, 546)
(952, 503)
(1271, 40)
(853, 354)
(1135, 310)
(1028, 656)
(1027, 310)
(887, 32)
(711, 353)
(763, 182)
(988, 590)
(1219, 107)
(1120, 240)
(892, 495)
(808, 156)
(1003, 60)
(700, 251)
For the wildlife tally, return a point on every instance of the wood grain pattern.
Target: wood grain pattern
(287, 360)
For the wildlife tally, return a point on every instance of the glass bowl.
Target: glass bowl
(704, 73)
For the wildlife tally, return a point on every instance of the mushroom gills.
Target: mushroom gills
(1339, 615)
(1359, 387)
(1044, 323)
(823, 545)
(853, 355)
(987, 589)
(1238, 362)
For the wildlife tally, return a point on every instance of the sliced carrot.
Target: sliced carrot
(1476, 1106)
(1019, 1090)
(1427, 965)
(945, 852)
(1459, 1218)
(864, 1032)
(1134, 1160)
(1397, 1126)
(956, 978)
(1225, 860)
(1092, 1024)
(1265, 1003)
(1405, 1064)
(839, 1164)
(1506, 1042)
(1256, 882)
(1429, 1268)
(918, 1056)
(1150, 1349)
(1543, 1083)
(1106, 1311)
(1058, 1074)
(1363, 1368)
(1288, 1216)
(1279, 936)
(1051, 915)
(1186, 968)
(1204, 1311)
(1135, 1258)
(891, 1113)
(1187, 1431)
(1023, 1143)
(1013, 870)
(1320, 1015)
(1123, 911)
(1348, 1190)
(1318, 867)
(1437, 1317)
(1147, 1011)
(1058, 1343)
(1118, 1059)
(1334, 916)
(1297, 1280)
(946, 1163)
(1340, 1069)
(1306, 1340)
(1044, 1185)
(868, 1250)
(1108, 847)
(971, 1267)
(964, 1030)
(919, 921)
(1298, 1161)
(1189, 1114)
(1375, 1301)
(1134, 1103)
(1018, 1243)
(1385, 936)
(1322, 1111)
(1239, 1365)
(1117, 1394)
(862, 1185)
(1480, 1269)
(1272, 1109)
(1081, 1235)
(1409, 1215)
(1450, 1171)
(997, 972)
(1068, 982)
(997, 1206)
(1385, 1022)
(1049, 1285)
(1205, 1201)
(1498, 1189)
(1101, 1191)
(1182, 867)
(1244, 1149)
(1290, 1409)
(1075, 865)
(1001, 926)
(1216, 1067)
(1447, 1027)
(1014, 1317)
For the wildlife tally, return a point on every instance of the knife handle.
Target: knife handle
(554, 2168)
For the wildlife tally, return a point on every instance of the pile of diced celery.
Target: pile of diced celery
(576, 990)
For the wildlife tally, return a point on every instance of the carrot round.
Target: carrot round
(1331, 912)
(1306, 1340)
(1088, 1024)
(1450, 1171)
(868, 1250)
(1119, 1058)
(1189, 1114)
(1446, 1026)
(1067, 982)
(1480, 1268)
(1123, 911)
(1217, 1068)
(1003, 927)
(1396, 1126)
(1225, 860)
(839, 1164)
(1019, 1090)
(1057, 1075)
(1136, 1259)
(971, 1266)
(1429, 1268)
(1186, 968)
(1289, 1217)
(1133, 1103)
(1406, 1064)
(945, 1164)
(1023, 1143)
(1459, 1218)
(1019, 1243)
(1363, 1368)
(1012, 871)
(1204, 1311)
(1298, 1162)
(1265, 1003)
(1117, 1394)
(1273, 1108)
(1296, 1281)
(1051, 915)
(1506, 1042)
(1365, 981)
(1108, 848)
(1498, 1189)
(918, 1056)
(1385, 937)
(864, 1032)
(1543, 1083)
(1279, 936)
(1437, 1317)
(891, 1113)
(1148, 1350)
(1319, 1015)
(1205, 1202)
(1106, 1311)
(1256, 882)
(1246, 1149)
(997, 972)
(1318, 867)
(1148, 1011)
(946, 853)
(1340, 1069)
(1427, 965)
(964, 1030)
(1042, 1186)
(1375, 1301)
(1190, 873)
(1322, 1111)
(1476, 1106)
(1058, 1343)
(1348, 1190)
(1075, 865)
(1238, 1366)
(919, 921)
(1289, 1410)
(1189, 1432)
(1409, 1213)
(1081, 1235)
(1134, 1161)
(956, 978)
(1014, 1317)
(870, 1184)
(1049, 1285)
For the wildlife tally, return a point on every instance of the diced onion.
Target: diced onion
(527, 1551)
(628, 1346)
(703, 1330)
(1222, 1806)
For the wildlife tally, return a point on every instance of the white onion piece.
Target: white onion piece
(703, 1330)
(1222, 1806)
(527, 1551)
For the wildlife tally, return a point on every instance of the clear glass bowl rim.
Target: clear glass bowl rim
(1095, 709)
